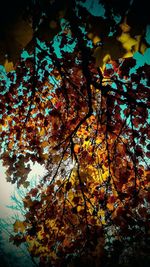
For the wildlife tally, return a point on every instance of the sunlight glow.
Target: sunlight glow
(7, 189)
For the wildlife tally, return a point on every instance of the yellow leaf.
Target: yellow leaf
(96, 40)
(103, 176)
(127, 41)
(103, 221)
(128, 54)
(86, 144)
(98, 140)
(70, 195)
(101, 213)
(79, 208)
(45, 156)
(42, 131)
(45, 144)
(19, 226)
(8, 65)
(40, 234)
(106, 58)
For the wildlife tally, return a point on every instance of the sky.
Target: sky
(7, 189)
(13, 256)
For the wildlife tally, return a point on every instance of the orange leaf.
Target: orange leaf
(45, 144)
(76, 148)
(110, 206)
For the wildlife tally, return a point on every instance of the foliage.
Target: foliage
(89, 126)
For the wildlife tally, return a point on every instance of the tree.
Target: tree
(88, 124)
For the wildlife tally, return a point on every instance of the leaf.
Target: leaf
(125, 27)
(127, 41)
(110, 206)
(8, 65)
(76, 148)
(19, 226)
(45, 144)
(42, 131)
(121, 148)
(26, 184)
(45, 156)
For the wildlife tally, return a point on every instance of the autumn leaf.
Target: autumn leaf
(45, 144)
(19, 226)
(76, 148)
